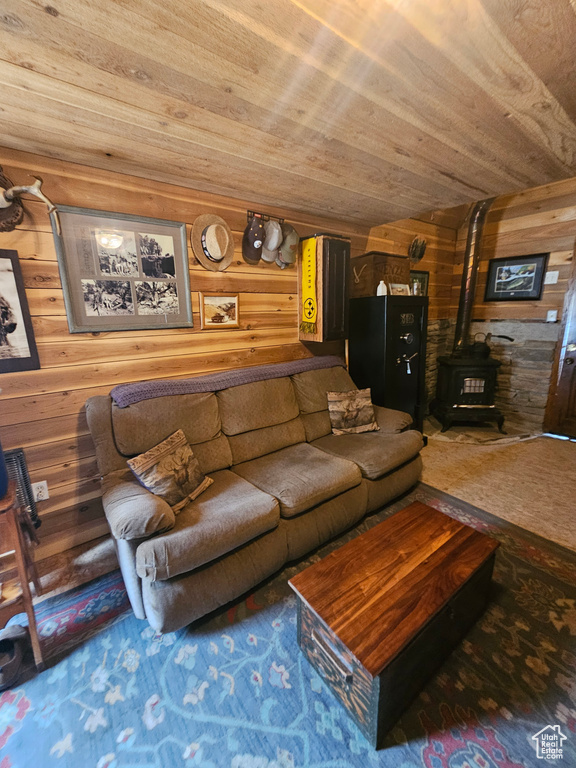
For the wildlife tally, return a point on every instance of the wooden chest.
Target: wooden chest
(379, 615)
(368, 270)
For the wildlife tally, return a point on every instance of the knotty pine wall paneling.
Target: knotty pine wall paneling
(43, 411)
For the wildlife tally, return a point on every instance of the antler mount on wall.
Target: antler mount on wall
(11, 208)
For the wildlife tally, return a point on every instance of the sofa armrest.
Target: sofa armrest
(390, 420)
(131, 510)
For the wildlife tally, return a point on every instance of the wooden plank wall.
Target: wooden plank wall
(43, 411)
(439, 229)
(539, 220)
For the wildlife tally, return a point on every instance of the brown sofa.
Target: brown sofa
(283, 485)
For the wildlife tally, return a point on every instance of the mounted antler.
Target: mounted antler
(11, 209)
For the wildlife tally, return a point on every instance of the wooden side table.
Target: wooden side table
(18, 534)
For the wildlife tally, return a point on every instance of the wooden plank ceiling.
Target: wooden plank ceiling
(367, 111)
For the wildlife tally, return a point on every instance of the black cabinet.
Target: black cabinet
(387, 351)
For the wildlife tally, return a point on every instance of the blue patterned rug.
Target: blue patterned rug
(235, 691)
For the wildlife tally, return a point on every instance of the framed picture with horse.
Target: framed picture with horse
(17, 345)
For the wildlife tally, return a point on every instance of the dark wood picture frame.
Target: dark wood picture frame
(421, 279)
(18, 351)
(141, 283)
(518, 278)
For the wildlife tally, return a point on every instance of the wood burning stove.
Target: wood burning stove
(465, 391)
(466, 386)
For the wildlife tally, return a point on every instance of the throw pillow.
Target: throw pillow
(351, 412)
(169, 470)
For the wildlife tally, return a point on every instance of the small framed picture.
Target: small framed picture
(399, 289)
(17, 345)
(122, 272)
(218, 311)
(419, 283)
(519, 278)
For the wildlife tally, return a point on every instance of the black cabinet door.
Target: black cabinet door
(387, 351)
(335, 265)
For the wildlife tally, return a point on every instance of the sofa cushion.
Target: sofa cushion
(375, 453)
(316, 424)
(311, 387)
(300, 477)
(170, 470)
(228, 514)
(351, 412)
(140, 426)
(390, 420)
(259, 442)
(257, 405)
(131, 510)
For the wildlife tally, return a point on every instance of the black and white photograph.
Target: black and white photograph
(157, 298)
(106, 298)
(157, 253)
(219, 311)
(122, 272)
(516, 278)
(17, 346)
(116, 252)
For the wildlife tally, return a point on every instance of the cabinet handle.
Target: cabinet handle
(330, 655)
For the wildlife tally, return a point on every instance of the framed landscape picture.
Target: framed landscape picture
(517, 278)
(217, 311)
(122, 272)
(17, 345)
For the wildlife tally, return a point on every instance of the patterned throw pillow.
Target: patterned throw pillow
(169, 470)
(351, 412)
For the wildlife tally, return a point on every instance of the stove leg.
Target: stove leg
(501, 425)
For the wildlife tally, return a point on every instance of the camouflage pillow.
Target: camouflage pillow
(351, 412)
(169, 470)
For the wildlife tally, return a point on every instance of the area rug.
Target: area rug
(234, 690)
(477, 434)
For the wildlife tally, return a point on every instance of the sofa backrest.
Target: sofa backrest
(260, 417)
(310, 388)
(143, 425)
(225, 427)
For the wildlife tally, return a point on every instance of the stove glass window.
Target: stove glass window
(473, 386)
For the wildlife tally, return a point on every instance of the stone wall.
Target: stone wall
(524, 378)
(440, 340)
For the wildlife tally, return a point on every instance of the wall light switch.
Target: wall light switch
(551, 278)
(552, 316)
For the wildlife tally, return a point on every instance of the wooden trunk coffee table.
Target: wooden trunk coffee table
(380, 614)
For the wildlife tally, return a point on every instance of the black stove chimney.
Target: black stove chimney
(466, 386)
(469, 275)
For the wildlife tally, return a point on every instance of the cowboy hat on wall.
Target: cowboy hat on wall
(212, 242)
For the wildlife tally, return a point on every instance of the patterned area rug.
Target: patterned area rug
(234, 690)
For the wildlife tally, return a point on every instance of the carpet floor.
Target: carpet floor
(233, 690)
(527, 483)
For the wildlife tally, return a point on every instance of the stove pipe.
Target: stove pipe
(470, 273)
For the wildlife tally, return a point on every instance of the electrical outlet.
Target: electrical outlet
(40, 491)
